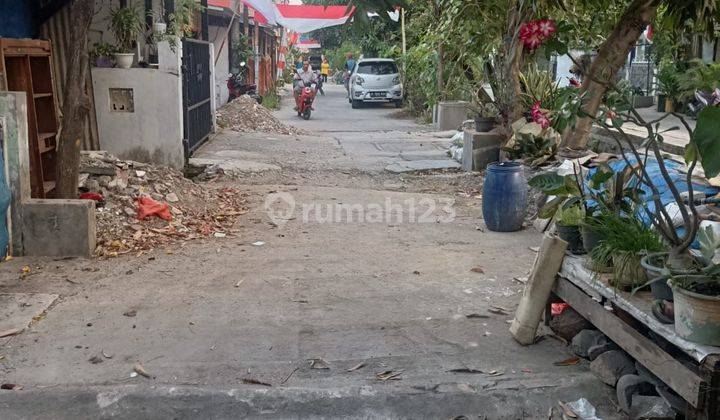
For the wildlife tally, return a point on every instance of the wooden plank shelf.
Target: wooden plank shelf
(42, 95)
(43, 136)
(691, 370)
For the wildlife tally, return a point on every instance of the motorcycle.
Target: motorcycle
(237, 85)
(703, 100)
(305, 100)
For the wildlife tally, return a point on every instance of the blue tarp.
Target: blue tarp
(679, 179)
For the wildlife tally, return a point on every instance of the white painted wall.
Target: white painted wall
(563, 75)
(222, 68)
(153, 133)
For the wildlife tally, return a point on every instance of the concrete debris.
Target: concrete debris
(595, 351)
(569, 323)
(612, 365)
(198, 209)
(630, 385)
(650, 408)
(245, 115)
(585, 339)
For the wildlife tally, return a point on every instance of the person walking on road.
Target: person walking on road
(325, 70)
(349, 66)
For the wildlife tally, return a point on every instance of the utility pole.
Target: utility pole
(402, 30)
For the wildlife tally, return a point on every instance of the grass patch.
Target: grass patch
(271, 99)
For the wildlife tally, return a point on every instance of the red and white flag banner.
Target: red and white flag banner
(307, 18)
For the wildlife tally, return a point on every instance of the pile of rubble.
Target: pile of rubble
(245, 115)
(196, 210)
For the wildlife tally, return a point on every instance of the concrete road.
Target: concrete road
(351, 301)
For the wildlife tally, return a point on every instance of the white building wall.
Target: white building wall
(153, 132)
(222, 66)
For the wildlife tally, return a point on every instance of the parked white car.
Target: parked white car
(375, 80)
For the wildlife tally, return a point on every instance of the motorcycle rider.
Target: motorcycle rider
(303, 77)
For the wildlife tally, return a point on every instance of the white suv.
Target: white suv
(375, 80)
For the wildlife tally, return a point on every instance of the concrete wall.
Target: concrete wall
(153, 132)
(55, 228)
(222, 67)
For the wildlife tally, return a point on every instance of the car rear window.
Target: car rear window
(377, 67)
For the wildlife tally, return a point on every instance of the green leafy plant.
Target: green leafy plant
(101, 50)
(615, 192)
(623, 241)
(538, 86)
(531, 143)
(127, 25)
(567, 196)
(668, 80)
(699, 76)
(182, 20)
(271, 99)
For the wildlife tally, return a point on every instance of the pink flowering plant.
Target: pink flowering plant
(535, 32)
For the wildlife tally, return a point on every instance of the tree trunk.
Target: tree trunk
(440, 72)
(512, 62)
(610, 59)
(75, 102)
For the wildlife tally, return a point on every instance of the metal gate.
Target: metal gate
(197, 110)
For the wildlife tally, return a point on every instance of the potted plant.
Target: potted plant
(101, 54)
(667, 185)
(668, 85)
(623, 241)
(608, 192)
(486, 115)
(532, 143)
(127, 24)
(159, 27)
(567, 206)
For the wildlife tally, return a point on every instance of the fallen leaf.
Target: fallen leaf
(566, 410)
(568, 362)
(105, 355)
(140, 370)
(417, 273)
(8, 333)
(356, 367)
(131, 313)
(11, 387)
(521, 280)
(300, 301)
(466, 370)
(389, 375)
(526, 370)
(476, 316)
(497, 311)
(318, 363)
(477, 270)
(252, 381)
(2, 357)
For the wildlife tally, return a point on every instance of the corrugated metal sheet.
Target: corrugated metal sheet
(57, 30)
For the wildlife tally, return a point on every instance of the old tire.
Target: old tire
(355, 104)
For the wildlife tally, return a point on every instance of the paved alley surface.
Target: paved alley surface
(340, 272)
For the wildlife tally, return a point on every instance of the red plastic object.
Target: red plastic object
(557, 308)
(91, 196)
(149, 207)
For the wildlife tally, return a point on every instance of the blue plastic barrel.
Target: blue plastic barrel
(504, 197)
